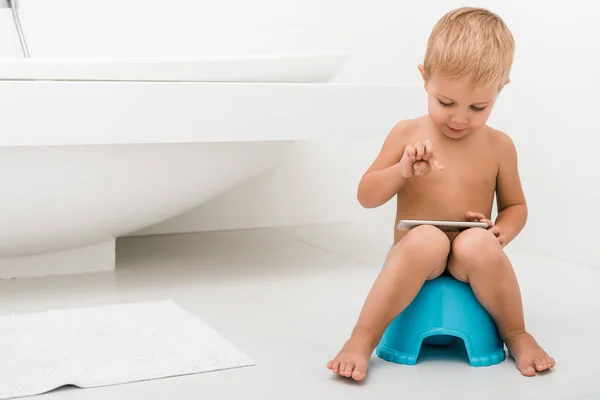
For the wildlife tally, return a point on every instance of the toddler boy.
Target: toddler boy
(448, 165)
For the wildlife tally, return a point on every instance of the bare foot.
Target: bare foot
(353, 359)
(528, 355)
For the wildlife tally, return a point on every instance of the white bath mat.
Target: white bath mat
(107, 345)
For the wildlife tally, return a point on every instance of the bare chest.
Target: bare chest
(465, 172)
(467, 183)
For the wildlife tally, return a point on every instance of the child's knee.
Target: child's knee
(475, 250)
(427, 239)
(476, 247)
(425, 248)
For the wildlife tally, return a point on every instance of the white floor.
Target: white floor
(289, 298)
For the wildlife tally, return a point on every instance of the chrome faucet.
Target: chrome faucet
(12, 4)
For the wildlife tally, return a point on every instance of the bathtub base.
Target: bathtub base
(94, 258)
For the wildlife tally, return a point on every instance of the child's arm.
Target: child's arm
(512, 207)
(384, 179)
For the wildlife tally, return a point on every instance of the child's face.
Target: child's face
(456, 108)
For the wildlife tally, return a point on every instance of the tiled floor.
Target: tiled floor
(289, 298)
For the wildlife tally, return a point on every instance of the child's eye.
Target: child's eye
(445, 104)
(477, 108)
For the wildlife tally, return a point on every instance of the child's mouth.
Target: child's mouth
(454, 130)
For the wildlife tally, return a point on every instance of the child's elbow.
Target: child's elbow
(366, 204)
(367, 195)
(525, 213)
(367, 201)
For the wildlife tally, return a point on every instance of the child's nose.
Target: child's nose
(459, 119)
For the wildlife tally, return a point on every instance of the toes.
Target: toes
(540, 364)
(360, 371)
(342, 368)
(537, 365)
(335, 367)
(543, 364)
(526, 369)
(358, 375)
(348, 370)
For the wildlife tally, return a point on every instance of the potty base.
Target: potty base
(443, 311)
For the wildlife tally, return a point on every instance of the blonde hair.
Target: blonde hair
(471, 42)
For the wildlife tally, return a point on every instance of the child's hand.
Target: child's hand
(478, 217)
(418, 160)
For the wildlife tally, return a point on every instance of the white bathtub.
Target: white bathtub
(126, 144)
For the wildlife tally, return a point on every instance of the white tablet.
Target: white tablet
(407, 224)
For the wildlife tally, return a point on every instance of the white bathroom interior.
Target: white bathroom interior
(208, 153)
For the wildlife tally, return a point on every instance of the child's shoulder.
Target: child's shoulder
(499, 139)
(407, 129)
(501, 144)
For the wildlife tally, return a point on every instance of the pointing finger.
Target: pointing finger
(430, 155)
(428, 148)
(435, 163)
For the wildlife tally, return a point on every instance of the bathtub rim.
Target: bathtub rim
(313, 67)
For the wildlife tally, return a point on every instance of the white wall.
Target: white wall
(549, 109)
(117, 28)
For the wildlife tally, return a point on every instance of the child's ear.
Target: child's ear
(423, 75)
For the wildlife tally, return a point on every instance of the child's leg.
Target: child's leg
(420, 255)
(477, 257)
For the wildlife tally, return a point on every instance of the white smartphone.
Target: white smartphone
(408, 224)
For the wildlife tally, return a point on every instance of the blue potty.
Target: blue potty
(443, 311)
